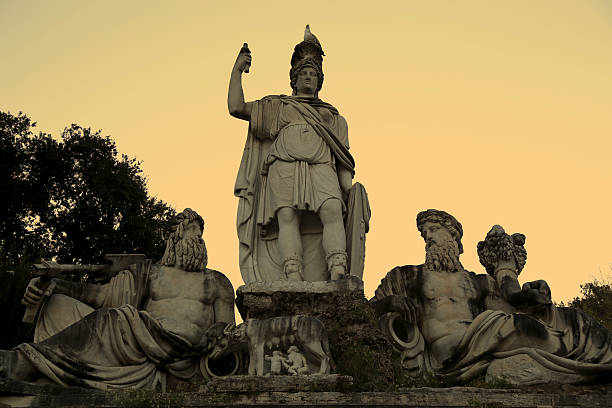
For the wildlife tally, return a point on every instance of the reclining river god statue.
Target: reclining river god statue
(147, 323)
(457, 325)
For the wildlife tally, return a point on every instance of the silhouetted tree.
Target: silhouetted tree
(71, 200)
(596, 300)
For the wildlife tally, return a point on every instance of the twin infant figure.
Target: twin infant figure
(294, 363)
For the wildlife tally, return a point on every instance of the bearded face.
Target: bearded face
(191, 253)
(442, 255)
(185, 249)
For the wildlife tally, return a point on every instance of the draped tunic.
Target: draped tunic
(300, 166)
(293, 150)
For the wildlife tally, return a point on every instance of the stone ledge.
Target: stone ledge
(283, 383)
(412, 397)
(12, 387)
(348, 284)
(262, 300)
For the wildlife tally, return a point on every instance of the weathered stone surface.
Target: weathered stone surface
(277, 345)
(295, 180)
(116, 334)
(24, 394)
(451, 324)
(358, 348)
(222, 397)
(267, 299)
(524, 370)
(12, 387)
(284, 383)
(348, 284)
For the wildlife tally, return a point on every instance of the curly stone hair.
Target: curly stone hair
(179, 222)
(446, 220)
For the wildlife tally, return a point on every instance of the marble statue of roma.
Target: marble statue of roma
(458, 325)
(299, 215)
(147, 323)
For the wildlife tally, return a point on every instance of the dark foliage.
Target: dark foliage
(596, 300)
(71, 200)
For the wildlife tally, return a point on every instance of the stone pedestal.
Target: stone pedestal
(263, 300)
(359, 349)
(280, 383)
(225, 394)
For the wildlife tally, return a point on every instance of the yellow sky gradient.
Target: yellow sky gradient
(497, 112)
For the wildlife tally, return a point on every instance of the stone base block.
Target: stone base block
(358, 348)
(524, 370)
(280, 383)
(269, 299)
(16, 395)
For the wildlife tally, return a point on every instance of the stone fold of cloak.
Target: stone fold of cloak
(251, 177)
(116, 346)
(587, 356)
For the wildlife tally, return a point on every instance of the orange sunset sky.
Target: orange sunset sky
(499, 112)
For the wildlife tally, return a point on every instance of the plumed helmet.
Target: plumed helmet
(308, 53)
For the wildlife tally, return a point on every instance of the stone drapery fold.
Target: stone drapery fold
(253, 217)
(117, 346)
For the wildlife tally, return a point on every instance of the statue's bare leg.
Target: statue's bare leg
(334, 237)
(290, 242)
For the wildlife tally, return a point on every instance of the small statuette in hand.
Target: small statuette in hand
(243, 61)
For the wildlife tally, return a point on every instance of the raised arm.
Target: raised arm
(236, 105)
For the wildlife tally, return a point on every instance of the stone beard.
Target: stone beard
(442, 257)
(187, 253)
